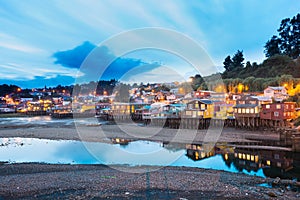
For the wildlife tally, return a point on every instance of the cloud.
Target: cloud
(100, 62)
(14, 43)
(73, 58)
(40, 81)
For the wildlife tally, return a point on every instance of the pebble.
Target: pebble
(276, 181)
(272, 194)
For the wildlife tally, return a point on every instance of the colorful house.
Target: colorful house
(277, 93)
(199, 108)
(246, 106)
(223, 110)
(278, 111)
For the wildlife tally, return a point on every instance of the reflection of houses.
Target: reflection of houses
(120, 141)
(270, 160)
(277, 159)
(199, 108)
(248, 159)
(197, 151)
(278, 93)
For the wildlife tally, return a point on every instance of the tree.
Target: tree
(237, 60)
(122, 93)
(228, 63)
(289, 32)
(272, 47)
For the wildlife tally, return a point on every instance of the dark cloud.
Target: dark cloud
(73, 58)
(101, 63)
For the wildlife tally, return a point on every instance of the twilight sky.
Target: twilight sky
(44, 42)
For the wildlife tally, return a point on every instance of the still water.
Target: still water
(263, 163)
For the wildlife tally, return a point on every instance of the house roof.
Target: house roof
(205, 101)
(276, 88)
(245, 106)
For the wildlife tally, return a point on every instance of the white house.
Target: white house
(278, 93)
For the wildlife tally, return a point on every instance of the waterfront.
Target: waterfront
(26, 142)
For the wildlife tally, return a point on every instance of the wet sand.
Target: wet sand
(101, 133)
(45, 181)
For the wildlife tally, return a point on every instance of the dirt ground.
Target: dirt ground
(42, 181)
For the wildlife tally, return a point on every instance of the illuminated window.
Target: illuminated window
(244, 156)
(252, 158)
(268, 162)
(268, 106)
(252, 110)
(278, 106)
(243, 110)
(247, 110)
(248, 156)
(196, 105)
(276, 114)
(240, 156)
(202, 106)
(256, 159)
(278, 164)
(226, 156)
(239, 110)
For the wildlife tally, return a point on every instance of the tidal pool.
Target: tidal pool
(118, 151)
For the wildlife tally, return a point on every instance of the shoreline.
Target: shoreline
(96, 133)
(48, 181)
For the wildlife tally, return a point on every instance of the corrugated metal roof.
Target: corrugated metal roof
(245, 106)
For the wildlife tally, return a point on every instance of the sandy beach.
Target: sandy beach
(52, 181)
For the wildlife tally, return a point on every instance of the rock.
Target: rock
(272, 194)
(276, 181)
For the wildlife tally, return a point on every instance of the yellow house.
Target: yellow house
(298, 112)
(199, 108)
(223, 111)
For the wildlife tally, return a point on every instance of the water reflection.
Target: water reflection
(259, 162)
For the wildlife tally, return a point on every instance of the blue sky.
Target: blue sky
(33, 32)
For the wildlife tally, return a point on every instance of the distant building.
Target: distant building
(278, 93)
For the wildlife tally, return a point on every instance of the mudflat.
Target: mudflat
(52, 181)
